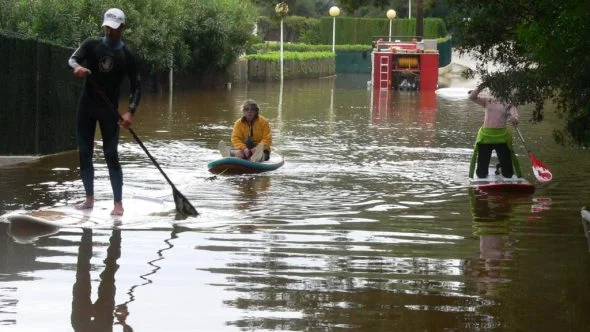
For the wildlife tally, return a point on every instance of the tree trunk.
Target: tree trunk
(420, 19)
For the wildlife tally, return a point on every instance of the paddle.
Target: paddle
(541, 172)
(182, 204)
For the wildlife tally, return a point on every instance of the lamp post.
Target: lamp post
(409, 8)
(334, 11)
(282, 9)
(390, 15)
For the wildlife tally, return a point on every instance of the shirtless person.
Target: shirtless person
(493, 135)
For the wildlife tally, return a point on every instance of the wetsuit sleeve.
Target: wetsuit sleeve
(79, 55)
(134, 82)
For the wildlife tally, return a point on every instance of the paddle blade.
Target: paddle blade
(541, 172)
(183, 205)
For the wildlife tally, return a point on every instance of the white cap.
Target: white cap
(113, 18)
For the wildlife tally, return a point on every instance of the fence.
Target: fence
(38, 96)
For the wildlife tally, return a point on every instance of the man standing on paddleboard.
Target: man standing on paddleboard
(493, 135)
(104, 62)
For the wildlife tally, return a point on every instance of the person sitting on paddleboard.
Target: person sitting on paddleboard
(493, 135)
(251, 136)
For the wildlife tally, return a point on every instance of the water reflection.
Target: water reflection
(369, 226)
(491, 223)
(382, 106)
(100, 315)
(250, 189)
(412, 106)
(122, 310)
(97, 315)
(406, 110)
(586, 223)
(492, 207)
(25, 232)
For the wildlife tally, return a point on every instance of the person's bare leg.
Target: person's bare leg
(223, 149)
(87, 204)
(118, 209)
(258, 154)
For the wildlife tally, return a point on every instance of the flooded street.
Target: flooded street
(369, 226)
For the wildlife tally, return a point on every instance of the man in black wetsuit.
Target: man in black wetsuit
(104, 62)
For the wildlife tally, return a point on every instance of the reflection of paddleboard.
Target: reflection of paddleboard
(26, 232)
(232, 165)
(498, 183)
(137, 209)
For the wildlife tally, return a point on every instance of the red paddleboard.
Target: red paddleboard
(498, 183)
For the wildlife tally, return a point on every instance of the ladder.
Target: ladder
(384, 72)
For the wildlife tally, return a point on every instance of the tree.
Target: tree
(540, 51)
(216, 32)
(351, 5)
(190, 35)
(377, 8)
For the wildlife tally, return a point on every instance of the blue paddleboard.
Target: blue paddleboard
(233, 165)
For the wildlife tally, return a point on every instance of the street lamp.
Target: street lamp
(390, 15)
(409, 8)
(282, 9)
(334, 11)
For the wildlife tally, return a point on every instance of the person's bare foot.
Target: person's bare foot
(87, 204)
(118, 209)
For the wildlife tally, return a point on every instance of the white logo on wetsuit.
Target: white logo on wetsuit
(106, 64)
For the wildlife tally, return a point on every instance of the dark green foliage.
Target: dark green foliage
(289, 55)
(363, 30)
(300, 47)
(351, 5)
(295, 28)
(542, 48)
(378, 8)
(307, 8)
(349, 30)
(163, 33)
(296, 65)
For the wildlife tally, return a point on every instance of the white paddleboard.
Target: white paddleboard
(137, 210)
(453, 93)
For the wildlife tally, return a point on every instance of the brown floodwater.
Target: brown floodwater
(369, 226)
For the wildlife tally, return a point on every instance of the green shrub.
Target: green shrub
(299, 56)
(300, 47)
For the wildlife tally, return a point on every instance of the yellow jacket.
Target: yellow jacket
(260, 133)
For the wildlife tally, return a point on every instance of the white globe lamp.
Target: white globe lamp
(390, 15)
(334, 11)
